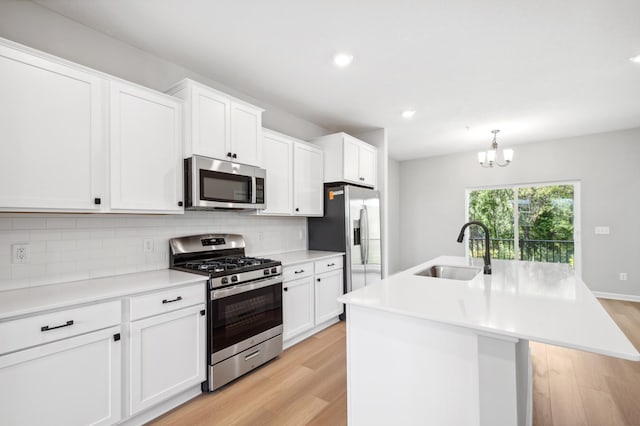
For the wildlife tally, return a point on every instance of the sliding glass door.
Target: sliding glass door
(533, 222)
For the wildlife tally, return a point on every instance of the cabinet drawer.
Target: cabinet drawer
(45, 328)
(166, 301)
(330, 264)
(295, 272)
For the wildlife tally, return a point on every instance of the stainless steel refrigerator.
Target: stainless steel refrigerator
(351, 224)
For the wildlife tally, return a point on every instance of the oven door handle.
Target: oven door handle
(243, 288)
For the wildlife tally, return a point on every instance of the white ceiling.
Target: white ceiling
(537, 69)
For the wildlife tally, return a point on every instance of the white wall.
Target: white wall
(432, 197)
(37, 27)
(69, 247)
(72, 247)
(393, 209)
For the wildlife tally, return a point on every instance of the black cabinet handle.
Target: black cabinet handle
(180, 203)
(285, 289)
(116, 337)
(172, 300)
(330, 264)
(203, 312)
(318, 279)
(298, 272)
(97, 201)
(297, 209)
(228, 154)
(235, 155)
(47, 328)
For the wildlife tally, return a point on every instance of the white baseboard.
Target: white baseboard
(299, 338)
(162, 408)
(616, 296)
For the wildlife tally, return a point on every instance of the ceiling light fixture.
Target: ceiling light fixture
(343, 59)
(490, 158)
(408, 113)
(635, 59)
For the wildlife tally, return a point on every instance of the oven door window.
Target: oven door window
(226, 187)
(241, 316)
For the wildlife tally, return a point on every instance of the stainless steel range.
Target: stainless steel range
(244, 315)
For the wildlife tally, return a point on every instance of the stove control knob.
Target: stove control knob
(225, 280)
(274, 270)
(234, 278)
(266, 272)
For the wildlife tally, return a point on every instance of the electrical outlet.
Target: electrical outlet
(148, 245)
(260, 236)
(602, 230)
(623, 276)
(20, 253)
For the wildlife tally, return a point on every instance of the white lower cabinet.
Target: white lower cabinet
(75, 381)
(166, 355)
(329, 286)
(298, 303)
(310, 292)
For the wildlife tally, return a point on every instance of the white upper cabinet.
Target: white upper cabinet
(51, 135)
(348, 159)
(146, 150)
(75, 140)
(218, 125)
(307, 180)
(294, 176)
(277, 159)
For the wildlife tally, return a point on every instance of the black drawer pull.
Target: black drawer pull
(298, 272)
(177, 299)
(286, 289)
(47, 328)
(330, 264)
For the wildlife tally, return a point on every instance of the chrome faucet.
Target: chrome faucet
(487, 257)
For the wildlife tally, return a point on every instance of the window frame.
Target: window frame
(577, 215)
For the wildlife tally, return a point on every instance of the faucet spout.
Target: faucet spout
(487, 257)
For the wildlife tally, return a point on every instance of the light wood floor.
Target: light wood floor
(306, 385)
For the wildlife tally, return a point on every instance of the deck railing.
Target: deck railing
(557, 251)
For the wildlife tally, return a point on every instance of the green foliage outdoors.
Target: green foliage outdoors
(545, 222)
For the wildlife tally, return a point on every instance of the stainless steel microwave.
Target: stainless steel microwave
(217, 184)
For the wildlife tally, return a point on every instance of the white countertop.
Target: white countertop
(543, 302)
(296, 257)
(36, 299)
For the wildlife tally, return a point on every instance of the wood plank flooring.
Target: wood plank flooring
(306, 385)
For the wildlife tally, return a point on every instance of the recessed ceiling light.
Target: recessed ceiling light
(408, 113)
(343, 59)
(635, 59)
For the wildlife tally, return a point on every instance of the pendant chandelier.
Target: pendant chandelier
(490, 158)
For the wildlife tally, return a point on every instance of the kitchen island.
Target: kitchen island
(435, 351)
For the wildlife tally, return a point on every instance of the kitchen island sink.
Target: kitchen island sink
(450, 272)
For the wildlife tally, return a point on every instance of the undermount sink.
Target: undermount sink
(462, 273)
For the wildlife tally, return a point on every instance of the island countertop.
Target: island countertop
(536, 301)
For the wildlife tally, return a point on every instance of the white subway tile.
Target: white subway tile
(61, 223)
(29, 223)
(5, 223)
(61, 245)
(14, 236)
(45, 235)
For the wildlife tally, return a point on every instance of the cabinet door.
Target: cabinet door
(246, 134)
(167, 356)
(75, 381)
(277, 158)
(298, 307)
(210, 123)
(351, 159)
(328, 289)
(307, 180)
(51, 135)
(368, 165)
(146, 150)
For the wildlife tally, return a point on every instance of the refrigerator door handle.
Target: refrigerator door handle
(363, 215)
(364, 224)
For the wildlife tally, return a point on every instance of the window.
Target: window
(527, 222)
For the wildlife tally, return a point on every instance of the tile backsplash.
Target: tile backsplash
(68, 247)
